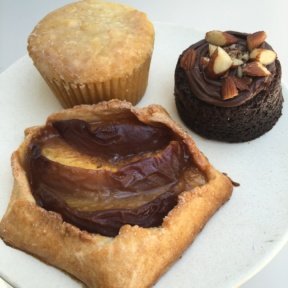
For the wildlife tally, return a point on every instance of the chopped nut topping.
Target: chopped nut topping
(255, 40)
(236, 62)
(264, 56)
(245, 56)
(256, 69)
(212, 48)
(204, 61)
(219, 63)
(237, 57)
(229, 89)
(188, 60)
(239, 72)
(220, 38)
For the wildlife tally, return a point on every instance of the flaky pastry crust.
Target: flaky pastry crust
(136, 257)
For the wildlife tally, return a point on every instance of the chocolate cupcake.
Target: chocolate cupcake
(228, 86)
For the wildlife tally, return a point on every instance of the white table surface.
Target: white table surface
(18, 17)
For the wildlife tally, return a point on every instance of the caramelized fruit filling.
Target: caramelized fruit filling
(113, 139)
(102, 175)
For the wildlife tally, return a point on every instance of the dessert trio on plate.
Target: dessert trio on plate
(102, 190)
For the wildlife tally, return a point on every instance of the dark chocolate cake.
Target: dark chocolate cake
(228, 86)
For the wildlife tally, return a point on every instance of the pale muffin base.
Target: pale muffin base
(129, 87)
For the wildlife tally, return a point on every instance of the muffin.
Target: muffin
(93, 50)
(228, 86)
(91, 200)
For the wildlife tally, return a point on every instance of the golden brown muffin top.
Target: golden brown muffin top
(91, 40)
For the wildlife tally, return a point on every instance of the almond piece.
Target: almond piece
(228, 89)
(236, 62)
(220, 38)
(204, 61)
(245, 56)
(212, 48)
(256, 69)
(264, 56)
(255, 40)
(188, 59)
(242, 83)
(239, 72)
(219, 63)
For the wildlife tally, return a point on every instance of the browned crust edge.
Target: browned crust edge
(137, 257)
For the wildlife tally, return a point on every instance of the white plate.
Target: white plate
(239, 240)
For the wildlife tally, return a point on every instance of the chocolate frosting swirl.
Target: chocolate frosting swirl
(209, 90)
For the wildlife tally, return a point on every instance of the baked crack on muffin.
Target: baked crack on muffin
(228, 86)
(102, 190)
